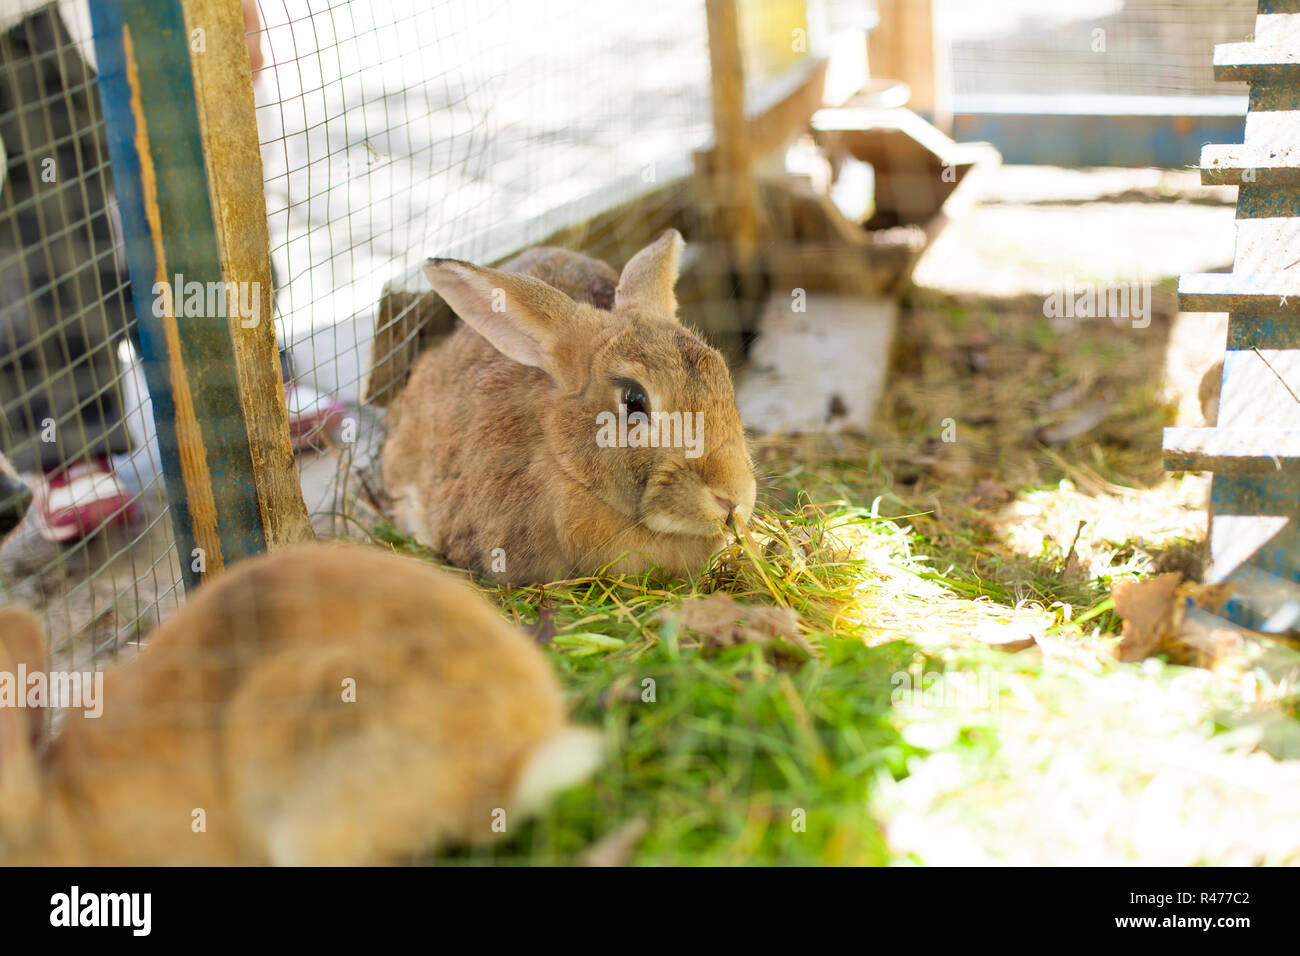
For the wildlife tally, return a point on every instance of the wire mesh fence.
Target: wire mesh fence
(1091, 47)
(76, 415)
(389, 132)
(469, 130)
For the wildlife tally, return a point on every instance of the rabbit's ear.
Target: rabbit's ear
(524, 318)
(649, 276)
(21, 644)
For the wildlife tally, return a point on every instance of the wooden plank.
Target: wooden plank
(1248, 62)
(1272, 118)
(1277, 29)
(1262, 601)
(905, 121)
(1260, 389)
(783, 114)
(1234, 163)
(822, 369)
(731, 167)
(903, 46)
(127, 150)
(1235, 539)
(1241, 451)
(1103, 131)
(1268, 239)
(773, 126)
(1247, 331)
(1255, 450)
(223, 86)
(1276, 294)
(916, 166)
(1267, 202)
(1255, 543)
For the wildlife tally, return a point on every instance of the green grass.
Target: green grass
(730, 755)
(730, 758)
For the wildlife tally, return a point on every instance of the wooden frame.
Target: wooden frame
(188, 179)
(1253, 447)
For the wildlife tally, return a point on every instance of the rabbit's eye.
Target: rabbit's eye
(634, 397)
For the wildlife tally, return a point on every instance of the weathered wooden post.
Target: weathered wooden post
(730, 173)
(1254, 447)
(177, 94)
(904, 46)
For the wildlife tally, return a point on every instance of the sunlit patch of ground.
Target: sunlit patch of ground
(1120, 531)
(1112, 765)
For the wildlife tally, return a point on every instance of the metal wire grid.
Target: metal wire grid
(1108, 47)
(66, 347)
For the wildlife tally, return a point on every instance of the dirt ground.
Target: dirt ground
(1036, 399)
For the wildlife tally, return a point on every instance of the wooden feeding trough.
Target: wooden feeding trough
(1254, 447)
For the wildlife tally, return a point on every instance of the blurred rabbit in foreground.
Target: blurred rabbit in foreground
(326, 704)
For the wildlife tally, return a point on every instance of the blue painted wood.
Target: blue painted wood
(1262, 332)
(115, 98)
(1268, 202)
(1260, 494)
(1077, 140)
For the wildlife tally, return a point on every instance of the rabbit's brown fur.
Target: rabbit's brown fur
(493, 456)
(236, 707)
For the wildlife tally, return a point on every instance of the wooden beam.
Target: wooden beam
(733, 190)
(1272, 293)
(1254, 449)
(1231, 164)
(1275, 62)
(1243, 451)
(223, 90)
(773, 125)
(903, 47)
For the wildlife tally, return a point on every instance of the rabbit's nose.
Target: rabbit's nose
(15, 499)
(726, 504)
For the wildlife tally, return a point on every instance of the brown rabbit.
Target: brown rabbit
(325, 704)
(519, 448)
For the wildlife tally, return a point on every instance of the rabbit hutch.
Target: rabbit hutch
(1013, 477)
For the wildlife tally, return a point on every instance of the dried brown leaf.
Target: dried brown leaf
(1149, 609)
(989, 493)
(721, 621)
(1157, 620)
